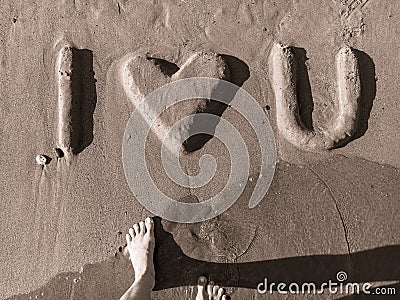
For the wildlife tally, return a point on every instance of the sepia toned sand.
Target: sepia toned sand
(62, 223)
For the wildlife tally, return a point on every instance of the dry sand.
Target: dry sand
(62, 223)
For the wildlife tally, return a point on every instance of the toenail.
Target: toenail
(202, 280)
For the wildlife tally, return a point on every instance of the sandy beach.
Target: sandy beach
(324, 74)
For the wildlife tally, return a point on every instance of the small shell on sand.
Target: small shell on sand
(42, 159)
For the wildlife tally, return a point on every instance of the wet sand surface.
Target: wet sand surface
(63, 223)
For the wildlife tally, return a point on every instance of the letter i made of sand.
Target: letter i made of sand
(68, 102)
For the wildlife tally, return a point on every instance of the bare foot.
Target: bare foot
(140, 244)
(210, 291)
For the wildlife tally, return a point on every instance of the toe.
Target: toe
(224, 297)
(201, 284)
(149, 225)
(128, 238)
(136, 228)
(215, 290)
(210, 288)
(141, 228)
(220, 293)
(202, 280)
(132, 233)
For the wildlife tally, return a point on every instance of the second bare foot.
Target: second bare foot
(209, 291)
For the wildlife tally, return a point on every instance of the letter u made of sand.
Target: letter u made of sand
(284, 84)
(68, 103)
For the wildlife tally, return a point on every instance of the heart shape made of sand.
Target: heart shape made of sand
(142, 74)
